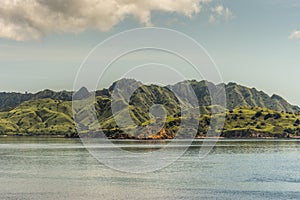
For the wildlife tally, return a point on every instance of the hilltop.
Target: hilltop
(237, 95)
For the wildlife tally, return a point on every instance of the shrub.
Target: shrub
(258, 114)
(258, 127)
(234, 117)
(267, 116)
(288, 130)
(277, 116)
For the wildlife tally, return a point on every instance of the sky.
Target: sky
(254, 43)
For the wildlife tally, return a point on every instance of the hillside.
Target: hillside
(39, 117)
(9, 100)
(53, 117)
(237, 95)
(249, 113)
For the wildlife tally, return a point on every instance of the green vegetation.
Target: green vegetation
(249, 114)
(39, 117)
(261, 122)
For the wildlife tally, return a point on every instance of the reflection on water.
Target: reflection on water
(49, 168)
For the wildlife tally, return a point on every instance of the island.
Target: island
(249, 113)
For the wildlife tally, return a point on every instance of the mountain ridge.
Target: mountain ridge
(236, 96)
(249, 113)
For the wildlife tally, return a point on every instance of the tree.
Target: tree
(277, 116)
(267, 116)
(258, 114)
(258, 127)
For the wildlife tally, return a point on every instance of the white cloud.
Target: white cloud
(220, 12)
(295, 35)
(32, 19)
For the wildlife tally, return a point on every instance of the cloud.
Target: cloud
(220, 12)
(295, 35)
(32, 19)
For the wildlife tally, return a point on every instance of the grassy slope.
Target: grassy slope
(43, 116)
(261, 120)
(54, 117)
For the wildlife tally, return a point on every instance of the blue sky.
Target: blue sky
(252, 45)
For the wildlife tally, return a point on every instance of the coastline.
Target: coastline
(292, 137)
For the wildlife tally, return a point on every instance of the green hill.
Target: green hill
(249, 113)
(237, 95)
(39, 117)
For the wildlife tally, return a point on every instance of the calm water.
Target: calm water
(40, 168)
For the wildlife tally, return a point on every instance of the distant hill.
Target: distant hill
(9, 100)
(249, 113)
(237, 95)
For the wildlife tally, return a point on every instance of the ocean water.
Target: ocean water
(59, 168)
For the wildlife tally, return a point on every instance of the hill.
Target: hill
(237, 95)
(9, 100)
(249, 113)
(39, 117)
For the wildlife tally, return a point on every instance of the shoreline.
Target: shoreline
(151, 139)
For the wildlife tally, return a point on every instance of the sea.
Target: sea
(39, 168)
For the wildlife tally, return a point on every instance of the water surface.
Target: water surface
(59, 168)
